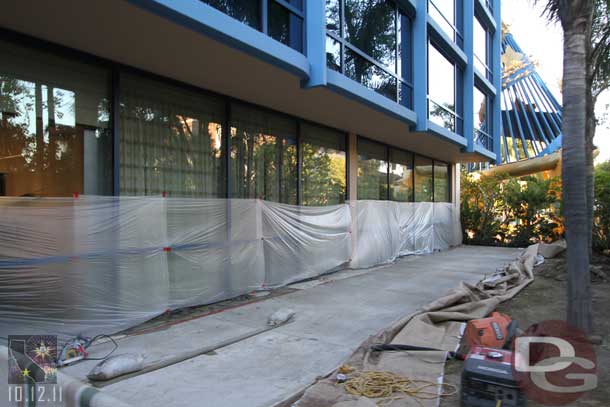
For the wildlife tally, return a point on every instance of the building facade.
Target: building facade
(305, 102)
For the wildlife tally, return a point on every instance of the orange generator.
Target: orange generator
(496, 331)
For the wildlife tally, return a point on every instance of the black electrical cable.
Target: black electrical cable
(95, 338)
(387, 347)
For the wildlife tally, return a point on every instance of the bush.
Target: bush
(508, 211)
(601, 213)
(481, 202)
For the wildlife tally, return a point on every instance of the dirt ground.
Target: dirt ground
(545, 299)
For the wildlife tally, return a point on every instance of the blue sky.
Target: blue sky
(543, 41)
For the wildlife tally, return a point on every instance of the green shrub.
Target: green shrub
(508, 211)
(481, 203)
(601, 225)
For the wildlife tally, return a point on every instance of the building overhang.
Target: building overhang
(170, 45)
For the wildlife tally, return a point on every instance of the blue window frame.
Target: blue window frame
(390, 173)
(482, 49)
(447, 14)
(370, 42)
(481, 119)
(282, 20)
(444, 85)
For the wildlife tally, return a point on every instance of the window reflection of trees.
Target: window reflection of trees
(371, 33)
(168, 146)
(43, 145)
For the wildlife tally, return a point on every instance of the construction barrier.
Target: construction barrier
(89, 264)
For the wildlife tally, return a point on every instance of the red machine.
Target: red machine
(496, 331)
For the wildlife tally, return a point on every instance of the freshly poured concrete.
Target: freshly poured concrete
(332, 320)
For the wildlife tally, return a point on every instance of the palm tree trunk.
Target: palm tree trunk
(591, 125)
(576, 21)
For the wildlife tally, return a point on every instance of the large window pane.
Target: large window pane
(480, 110)
(373, 40)
(285, 26)
(441, 89)
(404, 69)
(333, 21)
(263, 155)
(55, 138)
(368, 74)
(248, 12)
(324, 166)
(480, 48)
(171, 140)
(372, 170)
(443, 13)
(441, 182)
(482, 131)
(371, 27)
(401, 176)
(333, 54)
(423, 179)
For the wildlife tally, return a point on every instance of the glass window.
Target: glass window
(401, 176)
(372, 170)
(171, 140)
(441, 89)
(480, 110)
(333, 54)
(324, 166)
(481, 49)
(441, 182)
(482, 131)
(369, 74)
(263, 155)
(403, 61)
(333, 21)
(370, 26)
(423, 180)
(247, 12)
(55, 136)
(443, 13)
(285, 26)
(374, 40)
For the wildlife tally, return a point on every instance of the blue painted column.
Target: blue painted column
(497, 80)
(315, 42)
(469, 74)
(420, 65)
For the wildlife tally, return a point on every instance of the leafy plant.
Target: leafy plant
(482, 200)
(508, 211)
(601, 225)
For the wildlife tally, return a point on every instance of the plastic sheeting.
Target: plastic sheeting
(387, 230)
(95, 265)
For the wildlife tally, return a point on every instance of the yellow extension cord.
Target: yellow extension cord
(389, 386)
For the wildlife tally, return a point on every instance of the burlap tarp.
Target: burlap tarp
(438, 325)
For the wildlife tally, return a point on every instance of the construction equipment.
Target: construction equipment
(496, 331)
(488, 379)
(76, 350)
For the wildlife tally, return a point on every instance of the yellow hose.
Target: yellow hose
(389, 386)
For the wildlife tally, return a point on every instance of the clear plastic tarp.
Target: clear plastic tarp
(91, 265)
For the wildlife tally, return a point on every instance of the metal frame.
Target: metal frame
(457, 100)
(397, 74)
(458, 36)
(116, 69)
(263, 15)
(388, 148)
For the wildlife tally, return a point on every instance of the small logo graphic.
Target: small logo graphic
(31, 359)
(554, 363)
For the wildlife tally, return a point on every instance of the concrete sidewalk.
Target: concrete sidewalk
(332, 320)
